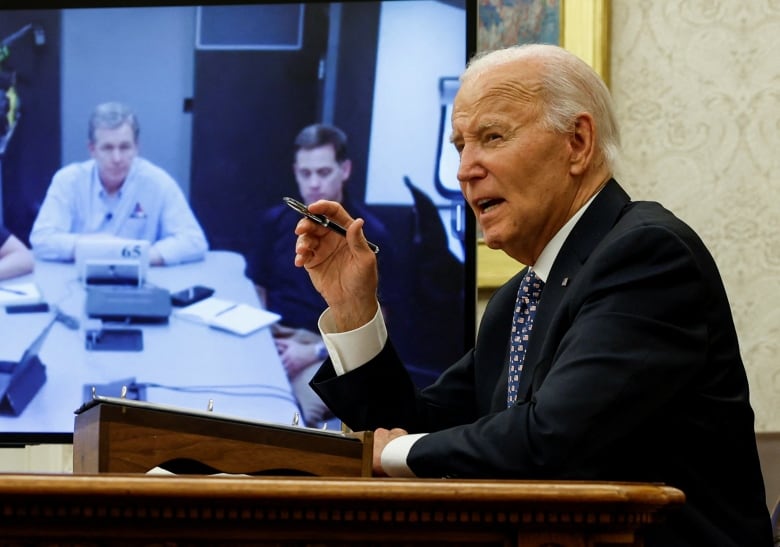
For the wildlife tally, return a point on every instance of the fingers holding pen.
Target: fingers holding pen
(356, 238)
(340, 263)
(309, 235)
(316, 239)
(340, 220)
(315, 243)
(305, 245)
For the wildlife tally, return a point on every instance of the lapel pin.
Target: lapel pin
(565, 282)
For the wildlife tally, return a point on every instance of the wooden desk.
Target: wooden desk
(173, 510)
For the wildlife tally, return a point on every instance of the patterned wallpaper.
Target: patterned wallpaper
(697, 90)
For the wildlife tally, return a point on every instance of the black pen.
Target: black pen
(322, 220)
(13, 291)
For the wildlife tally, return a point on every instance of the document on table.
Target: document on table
(12, 294)
(218, 313)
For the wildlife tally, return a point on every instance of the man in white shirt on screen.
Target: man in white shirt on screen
(116, 194)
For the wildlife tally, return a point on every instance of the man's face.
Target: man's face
(114, 151)
(319, 175)
(514, 173)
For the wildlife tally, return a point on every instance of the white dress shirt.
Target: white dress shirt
(149, 205)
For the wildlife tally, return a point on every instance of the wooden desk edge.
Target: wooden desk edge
(282, 511)
(336, 488)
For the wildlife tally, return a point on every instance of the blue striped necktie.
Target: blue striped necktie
(523, 321)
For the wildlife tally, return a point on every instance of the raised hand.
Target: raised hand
(343, 270)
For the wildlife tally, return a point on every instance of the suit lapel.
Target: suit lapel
(597, 221)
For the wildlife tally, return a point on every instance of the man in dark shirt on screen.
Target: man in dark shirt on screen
(322, 169)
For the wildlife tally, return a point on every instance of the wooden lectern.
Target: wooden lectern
(115, 435)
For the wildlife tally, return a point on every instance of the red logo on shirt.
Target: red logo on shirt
(138, 211)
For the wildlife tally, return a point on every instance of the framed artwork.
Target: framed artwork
(585, 32)
(581, 26)
(506, 23)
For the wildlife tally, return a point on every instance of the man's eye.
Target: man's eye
(324, 172)
(493, 137)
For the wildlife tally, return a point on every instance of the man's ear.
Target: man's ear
(583, 144)
(346, 166)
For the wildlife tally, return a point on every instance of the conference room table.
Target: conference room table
(183, 363)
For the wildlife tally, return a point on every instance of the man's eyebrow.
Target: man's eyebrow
(481, 128)
(489, 124)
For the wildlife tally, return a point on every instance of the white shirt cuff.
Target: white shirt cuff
(351, 349)
(395, 453)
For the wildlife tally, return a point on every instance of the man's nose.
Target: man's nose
(469, 167)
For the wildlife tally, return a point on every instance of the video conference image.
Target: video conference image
(145, 154)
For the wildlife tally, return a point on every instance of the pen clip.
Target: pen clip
(302, 209)
(295, 204)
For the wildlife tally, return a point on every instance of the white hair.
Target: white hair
(569, 86)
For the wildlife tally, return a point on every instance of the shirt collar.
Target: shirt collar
(550, 252)
(98, 186)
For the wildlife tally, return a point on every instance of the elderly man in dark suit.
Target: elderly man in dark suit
(612, 356)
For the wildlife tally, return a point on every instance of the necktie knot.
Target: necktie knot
(522, 322)
(531, 288)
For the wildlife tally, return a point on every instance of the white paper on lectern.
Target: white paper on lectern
(218, 313)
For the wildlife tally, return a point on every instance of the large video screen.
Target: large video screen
(221, 91)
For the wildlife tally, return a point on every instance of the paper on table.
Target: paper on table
(222, 314)
(19, 293)
(205, 310)
(244, 319)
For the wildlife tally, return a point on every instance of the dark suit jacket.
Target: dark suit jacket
(632, 373)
